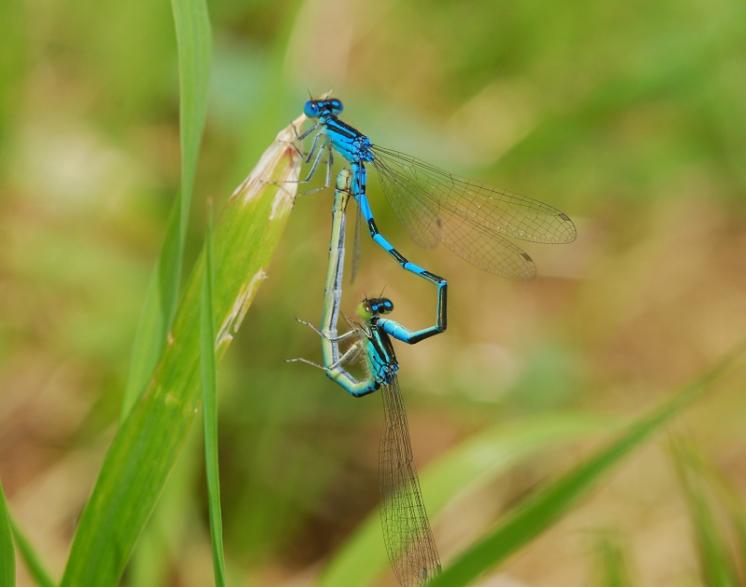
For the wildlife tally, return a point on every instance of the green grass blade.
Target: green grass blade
(210, 412)
(160, 546)
(545, 508)
(32, 561)
(148, 441)
(716, 566)
(147, 344)
(472, 463)
(192, 24)
(729, 496)
(612, 568)
(7, 554)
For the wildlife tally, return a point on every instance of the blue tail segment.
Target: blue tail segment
(399, 332)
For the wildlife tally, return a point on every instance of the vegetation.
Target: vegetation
(533, 418)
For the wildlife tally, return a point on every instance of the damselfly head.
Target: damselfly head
(374, 306)
(315, 108)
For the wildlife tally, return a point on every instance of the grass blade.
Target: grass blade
(728, 495)
(715, 563)
(160, 547)
(192, 24)
(544, 509)
(471, 464)
(32, 561)
(210, 411)
(149, 337)
(7, 554)
(612, 568)
(148, 441)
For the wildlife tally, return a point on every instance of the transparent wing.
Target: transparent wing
(406, 529)
(470, 219)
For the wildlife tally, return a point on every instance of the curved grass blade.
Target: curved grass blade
(715, 563)
(210, 410)
(612, 568)
(148, 441)
(33, 564)
(467, 466)
(728, 495)
(7, 554)
(194, 43)
(549, 505)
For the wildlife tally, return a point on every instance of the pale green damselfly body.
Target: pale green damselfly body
(406, 528)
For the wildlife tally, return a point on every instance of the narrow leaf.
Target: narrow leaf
(715, 564)
(148, 339)
(148, 441)
(612, 568)
(7, 555)
(731, 498)
(210, 411)
(192, 24)
(31, 559)
(544, 509)
(161, 544)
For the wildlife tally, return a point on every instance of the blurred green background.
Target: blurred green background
(629, 116)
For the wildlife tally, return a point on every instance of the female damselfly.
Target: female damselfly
(406, 528)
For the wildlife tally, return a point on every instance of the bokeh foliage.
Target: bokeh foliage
(630, 116)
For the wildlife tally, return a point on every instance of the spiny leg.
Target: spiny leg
(335, 372)
(314, 146)
(299, 137)
(328, 175)
(306, 362)
(317, 154)
(350, 355)
(340, 338)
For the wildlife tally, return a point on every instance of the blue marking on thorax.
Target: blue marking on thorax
(381, 360)
(347, 141)
(378, 366)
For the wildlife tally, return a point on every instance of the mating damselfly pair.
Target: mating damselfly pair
(476, 223)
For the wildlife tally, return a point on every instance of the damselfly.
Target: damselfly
(473, 221)
(406, 529)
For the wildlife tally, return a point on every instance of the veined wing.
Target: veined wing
(470, 219)
(406, 528)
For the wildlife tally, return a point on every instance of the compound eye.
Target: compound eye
(336, 105)
(311, 108)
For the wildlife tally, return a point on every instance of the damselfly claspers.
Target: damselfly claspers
(406, 528)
